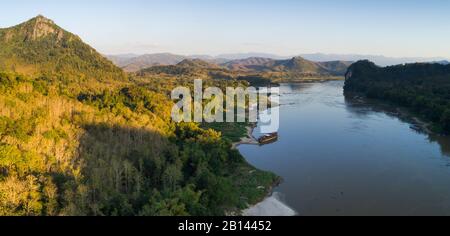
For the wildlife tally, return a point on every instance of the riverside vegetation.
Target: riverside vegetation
(78, 136)
(423, 88)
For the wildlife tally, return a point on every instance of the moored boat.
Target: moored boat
(268, 138)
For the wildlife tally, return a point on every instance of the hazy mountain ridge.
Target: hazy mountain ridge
(190, 68)
(196, 63)
(252, 63)
(231, 61)
(377, 59)
(238, 56)
(134, 63)
(260, 61)
(252, 70)
(295, 65)
(262, 65)
(443, 62)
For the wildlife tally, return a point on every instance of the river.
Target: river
(339, 156)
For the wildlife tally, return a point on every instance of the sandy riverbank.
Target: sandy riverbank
(271, 206)
(249, 139)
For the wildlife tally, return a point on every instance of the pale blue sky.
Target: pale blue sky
(284, 27)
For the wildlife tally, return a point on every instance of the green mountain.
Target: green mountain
(40, 47)
(78, 139)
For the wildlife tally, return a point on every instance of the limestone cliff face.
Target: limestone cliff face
(42, 27)
(36, 29)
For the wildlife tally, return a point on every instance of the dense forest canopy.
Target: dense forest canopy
(79, 137)
(424, 88)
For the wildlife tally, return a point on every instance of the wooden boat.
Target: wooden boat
(268, 138)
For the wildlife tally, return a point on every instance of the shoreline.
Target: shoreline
(271, 204)
(418, 124)
(249, 139)
(404, 114)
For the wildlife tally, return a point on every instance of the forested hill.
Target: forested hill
(422, 87)
(77, 139)
(40, 47)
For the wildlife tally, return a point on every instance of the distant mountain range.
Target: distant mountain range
(133, 63)
(252, 64)
(237, 56)
(443, 62)
(297, 65)
(268, 68)
(197, 63)
(377, 59)
(136, 63)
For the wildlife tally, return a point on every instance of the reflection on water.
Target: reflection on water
(444, 143)
(365, 107)
(353, 157)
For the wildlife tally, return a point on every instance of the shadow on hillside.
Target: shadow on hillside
(122, 160)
